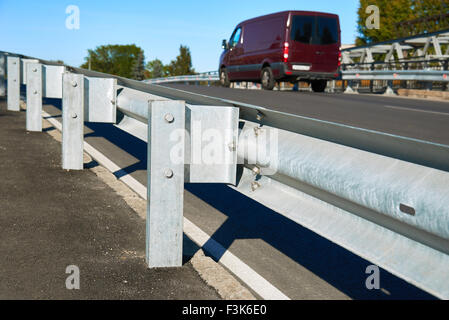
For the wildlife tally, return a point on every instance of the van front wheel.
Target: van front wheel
(224, 80)
(267, 79)
(319, 85)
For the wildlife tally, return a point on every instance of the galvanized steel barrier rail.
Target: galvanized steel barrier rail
(205, 76)
(381, 196)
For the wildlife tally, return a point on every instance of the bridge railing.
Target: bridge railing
(423, 58)
(381, 196)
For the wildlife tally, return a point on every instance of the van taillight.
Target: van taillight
(286, 46)
(339, 59)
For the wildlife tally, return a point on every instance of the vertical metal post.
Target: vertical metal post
(13, 83)
(389, 90)
(350, 89)
(34, 97)
(446, 67)
(371, 82)
(2, 75)
(72, 121)
(166, 138)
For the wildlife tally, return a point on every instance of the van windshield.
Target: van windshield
(314, 30)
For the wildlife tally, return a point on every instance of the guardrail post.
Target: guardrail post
(2, 75)
(34, 97)
(371, 82)
(446, 67)
(164, 222)
(389, 91)
(350, 89)
(13, 83)
(72, 121)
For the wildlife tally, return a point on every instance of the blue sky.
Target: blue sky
(37, 28)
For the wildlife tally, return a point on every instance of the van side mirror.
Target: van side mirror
(225, 45)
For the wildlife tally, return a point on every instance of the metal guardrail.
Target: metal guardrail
(416, 75)
(205, 76)
(416, 58)
(381, 196)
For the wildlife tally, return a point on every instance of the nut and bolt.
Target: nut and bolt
(74, 84)
(168, 173)
(74, 115)
(256, 171)
(169, 118)
(260, 116)
(255, 185)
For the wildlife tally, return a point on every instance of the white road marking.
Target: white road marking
(255, 281)
(417, 110)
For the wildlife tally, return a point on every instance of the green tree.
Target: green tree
(119, 60)
(393, 12)
(156, 69)
(139, 67)
(182, 65)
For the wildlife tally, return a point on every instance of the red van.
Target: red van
(286, 46)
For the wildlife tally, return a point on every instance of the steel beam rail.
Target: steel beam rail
(403, 148)
(367, 191)
(205, 76)
(417, 75)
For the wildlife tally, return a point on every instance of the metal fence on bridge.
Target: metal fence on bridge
(413, 60)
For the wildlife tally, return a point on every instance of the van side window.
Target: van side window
(303, 29)
(235, 38)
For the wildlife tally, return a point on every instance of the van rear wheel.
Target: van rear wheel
(224, 80)
(319, 85)
(267, 79)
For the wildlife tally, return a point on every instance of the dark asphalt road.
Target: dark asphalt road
(50, 219)
(302, 264)
(421, 119)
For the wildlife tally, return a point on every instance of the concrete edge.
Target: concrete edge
(215, 275)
